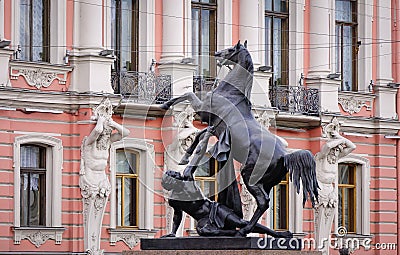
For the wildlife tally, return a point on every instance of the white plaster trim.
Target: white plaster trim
(224, 21)
(146, 180)
(365, 20)
(39, 74)
(2, 19)
(54, 156)
(363, 188)
(129, 236)
(146, 34)
(38, 236)
(296, 39)
(58, 31)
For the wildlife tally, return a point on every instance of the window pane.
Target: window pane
(280, 5)
(281, 206)
(24, 192)
(130, 189)
(343, 10)
(205, 43)
(113, 24)
(24, 29)
(343, 174)
(277, 50)
(268, 5)
(37, 32)
(126, 34)
(347, 59)
(31, 156)
(195, 37)
(338, 45)
(126, 162)
(32, 203)
(119, 201)
(268, 41)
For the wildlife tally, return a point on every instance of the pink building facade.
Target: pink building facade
(314, 60)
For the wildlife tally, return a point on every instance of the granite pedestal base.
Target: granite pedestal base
(221, 246)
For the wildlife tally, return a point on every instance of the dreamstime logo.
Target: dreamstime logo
(340, 241)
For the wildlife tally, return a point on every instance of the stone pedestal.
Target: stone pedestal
(5, 55)
(92, 73)
(220, 243)
(221, 252)
(385, 102)
(328, 90)
(260, 91)
(181, 76)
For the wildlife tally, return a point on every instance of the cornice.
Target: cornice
(16, 98)
(364, 125)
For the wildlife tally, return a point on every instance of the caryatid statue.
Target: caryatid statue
(327, 170)
(94, 184)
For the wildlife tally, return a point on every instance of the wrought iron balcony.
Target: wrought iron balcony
(149, 88)
(295, 99)
(203, 84)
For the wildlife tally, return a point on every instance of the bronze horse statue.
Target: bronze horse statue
(265, 160)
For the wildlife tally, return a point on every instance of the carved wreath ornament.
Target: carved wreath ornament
(38, 78)
(353, 105)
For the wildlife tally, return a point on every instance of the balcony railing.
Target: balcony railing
(149, 88)
(295, 99)
(203, 84)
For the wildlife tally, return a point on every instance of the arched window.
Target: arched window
(37, 188)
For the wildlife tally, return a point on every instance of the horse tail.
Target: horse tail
(301, 164)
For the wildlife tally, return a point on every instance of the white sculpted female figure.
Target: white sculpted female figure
(94, 184)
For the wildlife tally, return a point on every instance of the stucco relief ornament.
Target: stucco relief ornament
(130, 239)
(37, 77)
(94, 183)
(352, 104)
(38, 238)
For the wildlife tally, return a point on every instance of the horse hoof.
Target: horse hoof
(164, 106)
(285, 234)
(240, 233)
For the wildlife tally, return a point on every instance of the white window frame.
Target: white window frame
(362, 191)
(58, 31)
(146, 192)
(54, 160)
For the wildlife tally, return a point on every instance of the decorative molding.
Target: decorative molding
(352, 102)
(37, 235)
(130, 237)
(39, 75)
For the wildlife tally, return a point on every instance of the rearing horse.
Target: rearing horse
(265, 161)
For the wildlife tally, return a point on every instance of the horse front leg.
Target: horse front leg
(262, 199)
(190, 96)
(199, 154)
(192, 147)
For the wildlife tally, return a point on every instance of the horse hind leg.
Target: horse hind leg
(262, 199)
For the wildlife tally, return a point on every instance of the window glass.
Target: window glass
(347, 197)
(33, 186)
(127, 188)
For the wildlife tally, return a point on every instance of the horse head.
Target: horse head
(237, 54)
